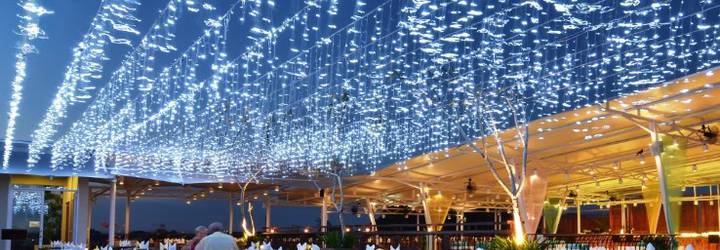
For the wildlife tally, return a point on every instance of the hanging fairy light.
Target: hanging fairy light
(308, 98)
(113, 22)
(29, 202)
(29, 28)
(139, 63)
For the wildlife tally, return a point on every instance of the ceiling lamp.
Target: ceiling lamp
(710, 133)
(470, 187)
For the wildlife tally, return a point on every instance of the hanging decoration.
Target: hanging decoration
(138, 67)
(316, 93)
(29, 202)
(113, 24)
(29, 28)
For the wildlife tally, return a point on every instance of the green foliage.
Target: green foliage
(53, 219)
(336, 240)
(499, 243)
(245, 241)
(661, 242)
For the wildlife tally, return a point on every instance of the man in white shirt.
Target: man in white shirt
(217, 240)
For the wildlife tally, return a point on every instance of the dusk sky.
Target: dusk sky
(148, 215)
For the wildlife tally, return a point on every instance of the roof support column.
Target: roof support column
(461, 220)
(579, 217)
(91, 204)
(231, 214)
(371, 213)
(417, 221)
(127, 216)
(111, 221)
(656, 149)
(324, 214)
(268, 214)
(552, 211)
(429, 241)
(5, 208)
(82, 210)
(426, 206)
(623, 218)
(496, 220)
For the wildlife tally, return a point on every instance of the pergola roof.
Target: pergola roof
(588, 150)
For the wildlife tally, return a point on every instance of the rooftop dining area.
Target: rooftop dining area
(391, 124)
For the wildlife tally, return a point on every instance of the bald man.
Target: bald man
(217, 240)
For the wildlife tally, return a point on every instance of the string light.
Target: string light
(113, 21)
(29, 202)
(137, 68)
(29, 29)
(306, 97)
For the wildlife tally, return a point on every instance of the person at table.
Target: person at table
(217, 240)
(200, 233)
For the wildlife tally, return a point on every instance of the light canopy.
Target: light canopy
(399, 79)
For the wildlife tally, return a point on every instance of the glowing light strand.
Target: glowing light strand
(392, 86)
(191, 96)
(142, 59)
(214, 25)
(113, 19)
(29, 28)
(29, 202)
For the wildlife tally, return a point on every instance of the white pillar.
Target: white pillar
(426, 207)
(324, 215)
(5, 208)
(496, 221)
(82, 211)
(429, 240)
(231, 213)
(371, 213)
(461, 220)
(268, 214)
(623, 218)
(417, 222)
(127, 216)
(579, 217)
(91, 203)
(111, 222)
(656, 149)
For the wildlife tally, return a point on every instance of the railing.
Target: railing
(384, 236)
(608, 241)
(448, 227)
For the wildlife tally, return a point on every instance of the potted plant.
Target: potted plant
(660, 242)
(336, 240)
(499, 243)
